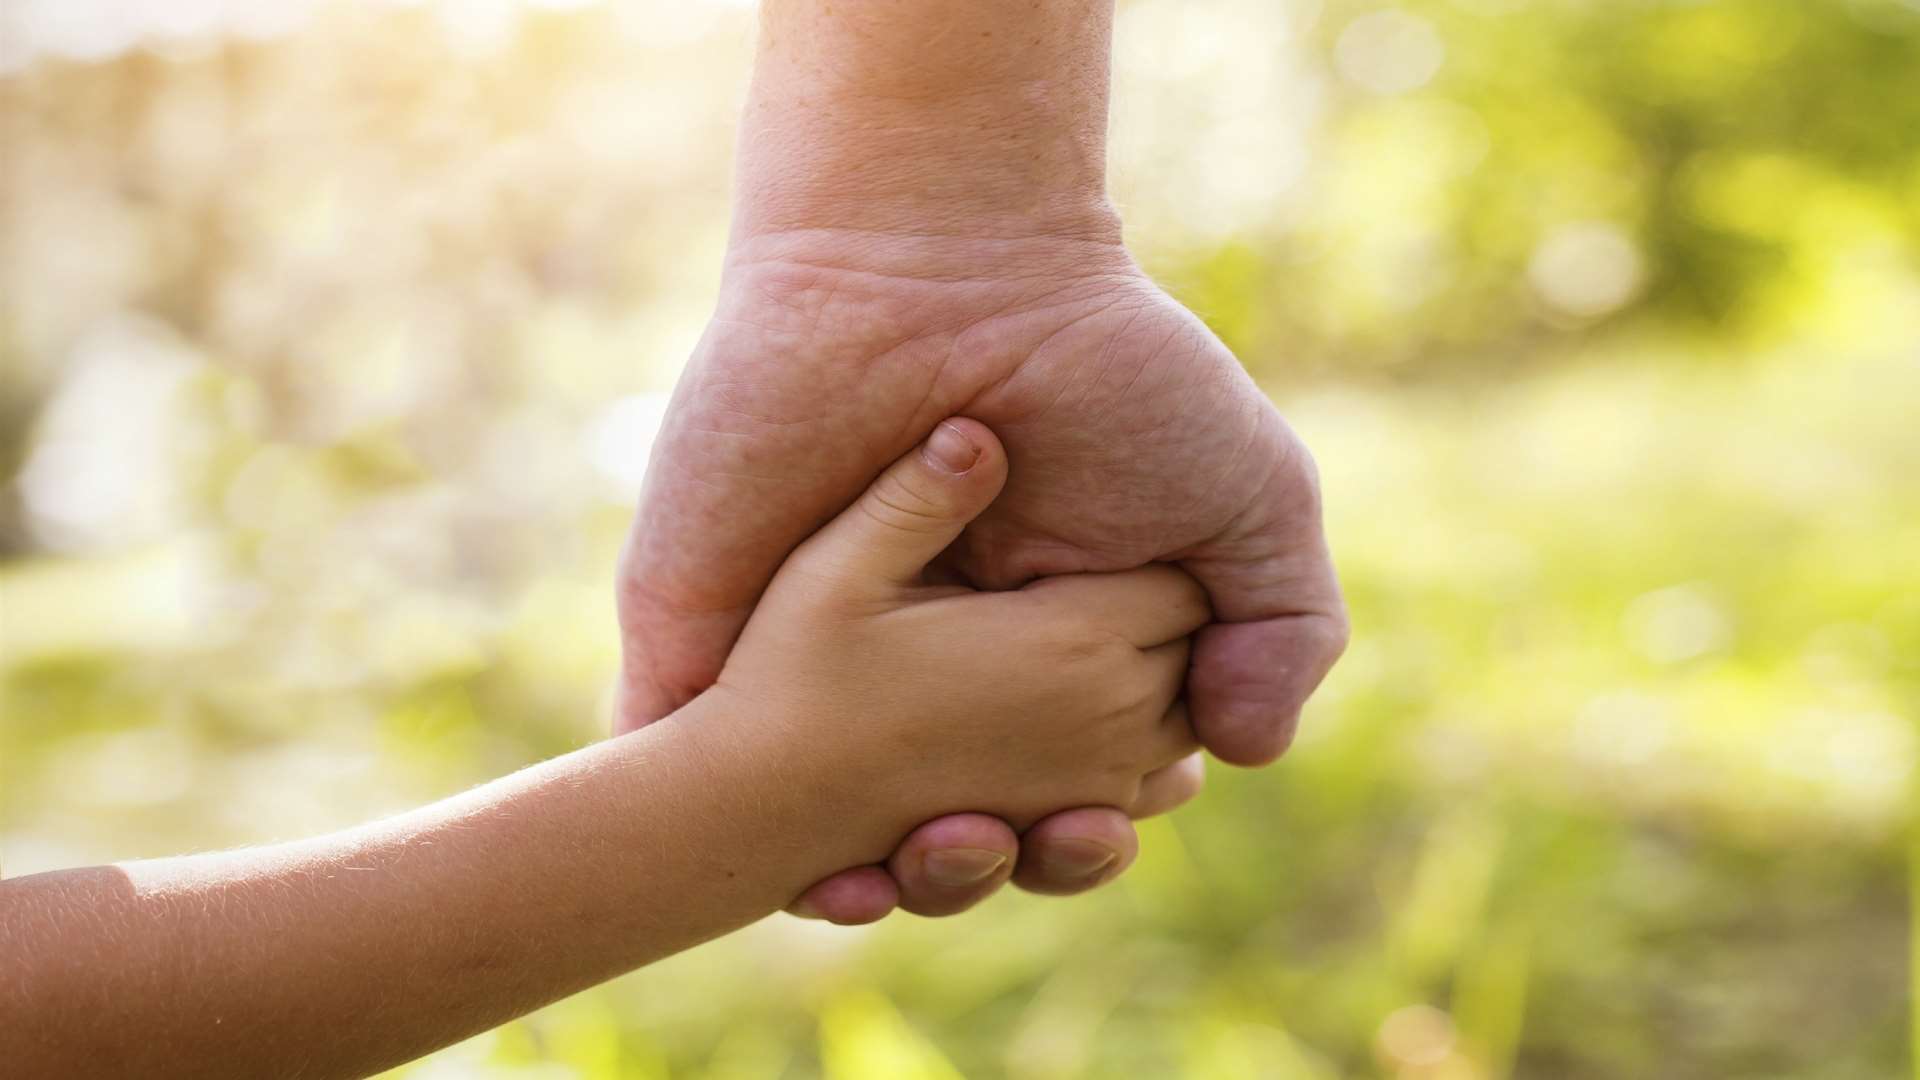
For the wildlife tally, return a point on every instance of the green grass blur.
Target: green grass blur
(328, 351)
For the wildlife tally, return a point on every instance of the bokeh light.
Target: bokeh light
(334, 335)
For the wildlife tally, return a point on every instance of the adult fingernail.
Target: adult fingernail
(1078, 860)
(958, 868)
(950, 449)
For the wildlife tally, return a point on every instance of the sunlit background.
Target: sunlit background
(333, 336)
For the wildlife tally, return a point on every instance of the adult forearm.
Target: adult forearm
(340, 956)
(929, 116)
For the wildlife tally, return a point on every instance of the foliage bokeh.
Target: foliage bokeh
(332, 339)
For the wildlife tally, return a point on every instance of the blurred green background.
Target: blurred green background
(333, 335)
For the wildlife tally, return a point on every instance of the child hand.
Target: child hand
(894, 700)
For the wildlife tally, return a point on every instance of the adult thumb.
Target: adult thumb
(919, 506)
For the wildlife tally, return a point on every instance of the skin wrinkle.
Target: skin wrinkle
(792, 273)
(917, 423)
(796, 250)
(1079, 217)
(1165, 423)
(1053, 298)
(1004, 386)
(1226, 473)
(1080, 364)
(1113, 346)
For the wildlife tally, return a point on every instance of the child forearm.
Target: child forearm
(858, 702)
(349, 953)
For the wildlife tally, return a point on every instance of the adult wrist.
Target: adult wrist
(985, 117)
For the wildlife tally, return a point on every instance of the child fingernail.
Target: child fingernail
(950, 449)
(957, 868)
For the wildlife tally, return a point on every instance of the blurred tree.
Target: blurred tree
(330, 350)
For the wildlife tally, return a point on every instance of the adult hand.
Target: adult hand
(1133, 435)
(922, 233)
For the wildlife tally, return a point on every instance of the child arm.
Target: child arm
(858, 702)
(346, 954)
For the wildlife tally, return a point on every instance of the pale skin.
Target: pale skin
(862, 698)
(921, 230)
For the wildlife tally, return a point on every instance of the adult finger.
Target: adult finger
(854, 897)
(1282, 622)
(947, 866)
(1075, 850)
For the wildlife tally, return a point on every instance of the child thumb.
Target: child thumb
(918, 507)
